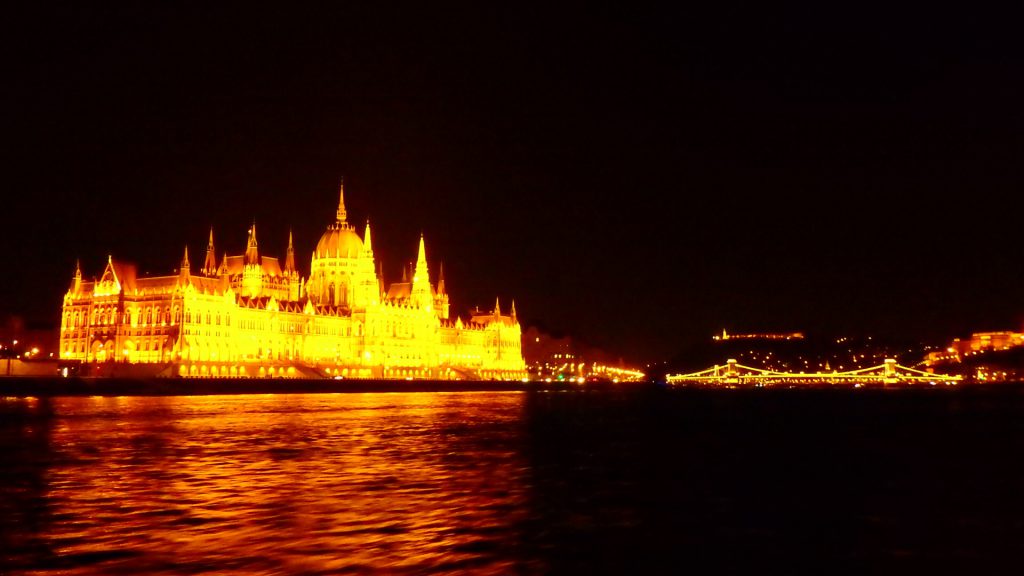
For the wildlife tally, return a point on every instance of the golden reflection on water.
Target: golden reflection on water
(389, 482)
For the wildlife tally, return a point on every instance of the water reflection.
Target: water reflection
(286, 483)
(619, 481)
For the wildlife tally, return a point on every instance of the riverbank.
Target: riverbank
(76, 386)
(44, 387)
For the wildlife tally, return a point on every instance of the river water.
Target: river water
(614, 481)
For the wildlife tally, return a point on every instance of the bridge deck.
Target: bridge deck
(733, 373)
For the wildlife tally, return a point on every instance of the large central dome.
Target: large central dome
(339, 241)
(342, 272)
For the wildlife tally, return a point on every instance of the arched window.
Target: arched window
(188, 317)
(218, 318)
(208, 318)
(149, 316)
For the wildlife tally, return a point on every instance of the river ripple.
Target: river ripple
(268, 484)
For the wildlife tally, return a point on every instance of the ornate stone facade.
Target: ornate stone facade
(247, 316)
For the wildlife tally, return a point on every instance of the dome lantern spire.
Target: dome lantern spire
(342, 214)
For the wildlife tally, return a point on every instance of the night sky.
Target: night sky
(636, 178)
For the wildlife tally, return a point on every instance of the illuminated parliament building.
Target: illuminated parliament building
(250, 316)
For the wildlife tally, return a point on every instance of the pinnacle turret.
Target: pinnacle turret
(186, 267)
(210, 265)
(78, 275)
(252, 254)
(289, 259)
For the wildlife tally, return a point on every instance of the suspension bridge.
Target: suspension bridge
(733, 374)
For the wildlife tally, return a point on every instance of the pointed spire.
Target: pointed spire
(223, 265)
(421, 257)
(77, 283)
(420, 274)
(289, 259)
(513, 312)
(497, 308)
(421, 292)
(252, 255)
(367, 242)
(210, 265)
(440, 278)
(186, 267)
(110, 273)
(342, 215)
(405, 274)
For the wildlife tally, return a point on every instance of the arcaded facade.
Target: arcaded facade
(249, 316)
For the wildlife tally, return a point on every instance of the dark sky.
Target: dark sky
(637, 178)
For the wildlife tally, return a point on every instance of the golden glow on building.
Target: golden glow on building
(979, 343)
(249, 316)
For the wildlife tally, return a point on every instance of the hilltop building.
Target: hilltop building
(978, 343)
(759, 336)
(249, 315)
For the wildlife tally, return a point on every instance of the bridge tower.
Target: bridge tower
(889, 368)
(889, 374)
